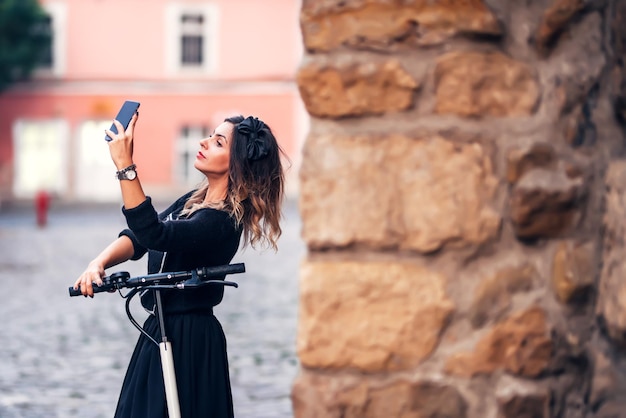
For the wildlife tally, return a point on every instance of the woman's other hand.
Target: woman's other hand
(93, 274)
(121, 144)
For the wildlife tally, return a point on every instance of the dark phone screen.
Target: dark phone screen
(124, 116)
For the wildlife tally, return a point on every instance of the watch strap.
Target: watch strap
(121, 174)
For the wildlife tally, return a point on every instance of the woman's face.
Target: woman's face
(213, 159)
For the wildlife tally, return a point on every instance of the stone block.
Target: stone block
(546, 203)
(554, 21)
(445, 192)
(521, 399)
(618, 34)
(523, 159)
(347, 191)
(573, 271)
(477, 84)
(327, 25)
(611, 303)
(396, 192)
(493, 296)
(613, 408)
(355, 89)
(605, 383)
(316, 395)
(578, 65)
(520, 344)
(370, 316)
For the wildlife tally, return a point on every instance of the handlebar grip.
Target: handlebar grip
(96, 289)
(74, 292)
(221, 271)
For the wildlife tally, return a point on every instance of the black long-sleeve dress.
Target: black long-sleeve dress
(208, 237)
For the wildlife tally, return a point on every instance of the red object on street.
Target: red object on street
(42, 203)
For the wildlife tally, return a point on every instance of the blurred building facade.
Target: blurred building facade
(190, 63)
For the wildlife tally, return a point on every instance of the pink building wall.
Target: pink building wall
(116, 50)
(123, 39)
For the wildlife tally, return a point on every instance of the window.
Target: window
(46, 60)
(53, 60)
(40, 157)
(187, 146)
(191, 38)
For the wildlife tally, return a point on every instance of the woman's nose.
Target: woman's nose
(204, 143)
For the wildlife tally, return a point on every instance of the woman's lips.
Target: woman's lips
(200, 155)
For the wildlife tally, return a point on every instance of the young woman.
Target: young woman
(240, 197)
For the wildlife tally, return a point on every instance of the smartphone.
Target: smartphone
(124, 116)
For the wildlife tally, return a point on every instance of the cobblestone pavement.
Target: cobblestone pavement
(66, 357)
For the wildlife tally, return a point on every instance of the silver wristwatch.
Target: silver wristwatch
(128, 173)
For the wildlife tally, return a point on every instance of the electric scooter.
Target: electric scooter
(181, 280)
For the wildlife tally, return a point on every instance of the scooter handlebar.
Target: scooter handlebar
(122, 279)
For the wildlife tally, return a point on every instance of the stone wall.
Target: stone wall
(463, 203)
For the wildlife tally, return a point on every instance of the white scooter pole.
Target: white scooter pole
(169, 379)
(167, 365)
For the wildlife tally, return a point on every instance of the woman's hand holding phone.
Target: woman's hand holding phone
(121, 144)
(121, 149)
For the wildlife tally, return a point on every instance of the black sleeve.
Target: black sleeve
(204, 231)
(139, 250)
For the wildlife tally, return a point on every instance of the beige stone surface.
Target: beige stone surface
(618, 73)
(519, 398)
(520, 160)
(605, 382)
(480, 84)
(520, 344)
(445, 192)
(512, 111)
(577, 66)
(316, 395)
(327, 25)
(355, 89)
(546, 203)
(370, 316)
(396, 192)
(611, 304)
(555, 20)
(347, 191)
(573, 271)
(493, 295)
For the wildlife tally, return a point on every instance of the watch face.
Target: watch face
(131, 174)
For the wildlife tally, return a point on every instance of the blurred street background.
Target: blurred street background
(190, 65)
(66, 357)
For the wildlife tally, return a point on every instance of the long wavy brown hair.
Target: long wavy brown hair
(255, 188)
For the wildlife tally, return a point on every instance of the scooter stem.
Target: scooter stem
(169, 378)
(167, 364)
